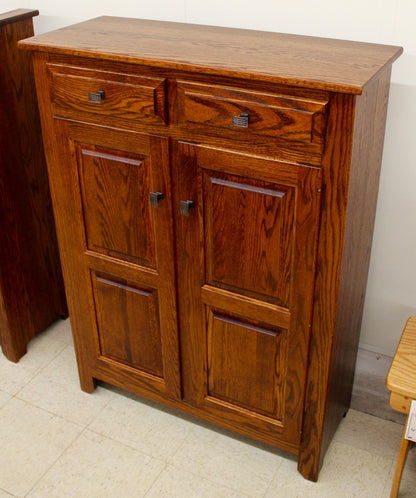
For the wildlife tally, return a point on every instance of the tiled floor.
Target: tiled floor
(56, 441)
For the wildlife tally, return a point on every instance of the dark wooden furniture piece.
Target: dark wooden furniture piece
(215, 193)
(31, 285)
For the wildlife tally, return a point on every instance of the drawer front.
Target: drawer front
(245, 111)
(107, 97)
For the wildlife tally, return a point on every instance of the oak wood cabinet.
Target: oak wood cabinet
(214, 191)
(31, 285)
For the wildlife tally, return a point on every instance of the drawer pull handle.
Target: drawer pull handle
(240, 121)
(186, 206)
(155, 198)
(97, 96)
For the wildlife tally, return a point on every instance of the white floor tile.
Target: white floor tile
(227, 461)
(30, 440)
(179, 483)
(139, 425)
(370, 433)
(41, 351)
(97, 467)
(3, 494)
(4, 398)
(132, 448)
(56, 388)
(408, 483)
(347, 472)
(61, 331)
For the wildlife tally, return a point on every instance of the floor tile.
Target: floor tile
(56, 388)
(150, 430)
(95, 466)
(347, 472)
(61, 331)
(370, 433)
(178, 483)
(408, 483)
(30, 440)
(4, 398)
(227, 461)
(41, 351)
(3, 494)
(133, 447)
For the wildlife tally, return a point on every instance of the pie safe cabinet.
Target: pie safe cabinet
(214, 192)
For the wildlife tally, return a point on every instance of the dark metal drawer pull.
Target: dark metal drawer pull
(241, 121)
(185, 207)
(97, 96)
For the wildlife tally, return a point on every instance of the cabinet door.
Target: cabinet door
(246, 262)
(113, 200)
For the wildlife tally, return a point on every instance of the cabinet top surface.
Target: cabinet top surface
(16, 15)
(319, 63)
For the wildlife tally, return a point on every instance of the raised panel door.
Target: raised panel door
(247, 249)
(118, 246)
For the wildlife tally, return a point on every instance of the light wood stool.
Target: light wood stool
(401, 380)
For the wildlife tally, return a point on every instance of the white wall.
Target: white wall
(391, 292)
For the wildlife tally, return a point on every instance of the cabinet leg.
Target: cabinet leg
(13, 352)
(88, 383)
(88, 386)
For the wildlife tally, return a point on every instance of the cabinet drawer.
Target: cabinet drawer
(245, 111)
(107, 97)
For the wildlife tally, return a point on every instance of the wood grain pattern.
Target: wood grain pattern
(310, 62)
(135, 340)
(401, 459)
(18, 15)
(193, 165)
(401, 378)
(240, 255)
(400, 403)
(344, 253)
(126, 97)
(292, 118)
(115, 199)
(260, 289)
(31, 286)
(259, 360)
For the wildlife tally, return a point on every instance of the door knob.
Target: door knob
(186, 206)
(155, 197)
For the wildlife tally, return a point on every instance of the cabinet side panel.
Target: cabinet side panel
(370, 119)
(31, 275)
(351, 167)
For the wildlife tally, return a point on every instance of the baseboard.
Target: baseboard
(370, 394)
